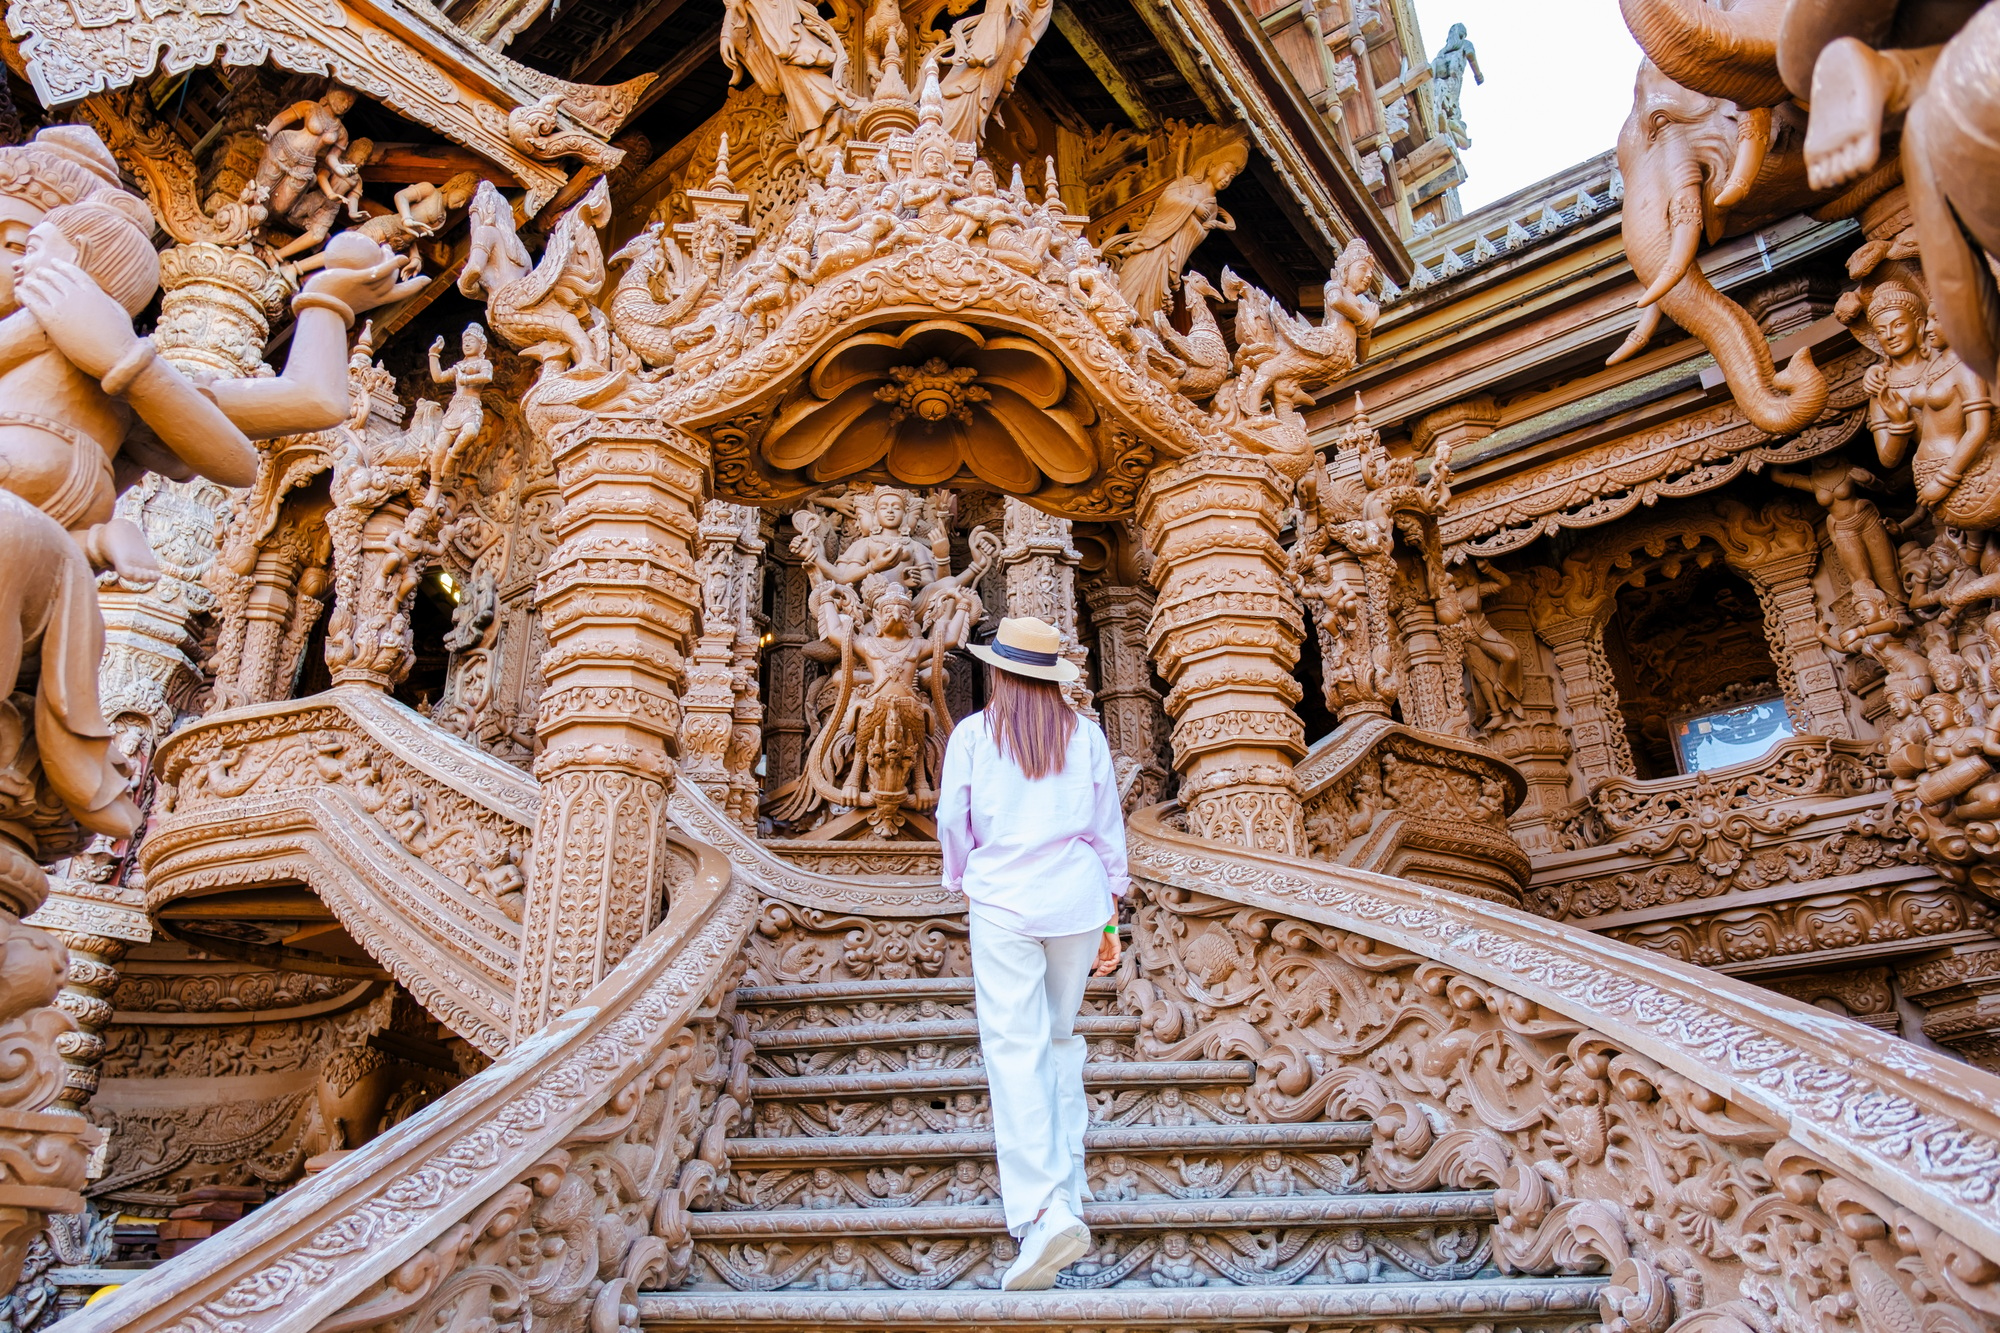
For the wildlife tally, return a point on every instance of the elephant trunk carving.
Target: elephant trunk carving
(1726, 53)
(1673, 147)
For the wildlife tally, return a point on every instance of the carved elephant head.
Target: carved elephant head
(1690, 161)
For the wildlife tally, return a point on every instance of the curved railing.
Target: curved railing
(411, 837)
(591, 1138)
(1732, 1157)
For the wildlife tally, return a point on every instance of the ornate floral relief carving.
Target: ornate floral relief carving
(795, 944)
(1607, 1158)
(1606, 482)
(1381, 796)
(414, 61)
(721, 737)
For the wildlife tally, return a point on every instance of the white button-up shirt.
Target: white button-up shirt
(1041, 858)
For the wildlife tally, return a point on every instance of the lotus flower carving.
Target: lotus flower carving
(934, 399)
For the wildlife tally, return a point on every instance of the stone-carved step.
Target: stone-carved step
(1553, 1303)
(1365, 1238)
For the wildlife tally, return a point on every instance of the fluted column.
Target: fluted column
(617, 600)
(1225, 635)
(1595, 728)
(1791, 624)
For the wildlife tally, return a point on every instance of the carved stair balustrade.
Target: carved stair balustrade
(549, 1187)
(1791, 862)
(1433, 808)
(414, 839)
(1729, 1159)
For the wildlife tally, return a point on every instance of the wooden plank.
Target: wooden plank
(1123, 91)
(622, 44)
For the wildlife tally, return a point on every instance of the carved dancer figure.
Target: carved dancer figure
(421, 211)
(985, 54)
(88, 405)
(1032, 833)
(1448, 68)
(465, 415)
(1927, 395)
(1852, 520)
(305, 145)
(788, 50)
(1186, 211)
(1491, 658)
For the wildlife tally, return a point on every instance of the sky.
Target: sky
(1558, 84)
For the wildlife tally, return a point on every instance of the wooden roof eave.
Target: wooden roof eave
(1302, 153)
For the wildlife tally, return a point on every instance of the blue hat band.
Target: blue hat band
(1023, 655)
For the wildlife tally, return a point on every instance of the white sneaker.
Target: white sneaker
(1052, 1244)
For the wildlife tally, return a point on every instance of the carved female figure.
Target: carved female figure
(787, 49)
(1929, 395)
(1186, 212)
(1492, 658)
(421, 210)
(1852, 520)
(298, 140)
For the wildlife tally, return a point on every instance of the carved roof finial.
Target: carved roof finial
(1051, 185)
(892, 84)
(931, 109)
(721, 183)
(1018, 187)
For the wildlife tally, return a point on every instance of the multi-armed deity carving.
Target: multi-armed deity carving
(889, 612)
(1367, 557)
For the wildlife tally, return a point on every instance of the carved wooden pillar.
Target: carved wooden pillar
(1791, 624)
(1536, 742)
(1133, 719)
(1433, 696)
(1597, 732)
(617, 599)
(785, 665)
(1226, 637)
(746, 733)
(1038, 563)
(722, 670)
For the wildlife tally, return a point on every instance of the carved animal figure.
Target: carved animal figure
(1674, 147)
(1202, 348)
(645, 312)
(1307, 356)
(544, 310)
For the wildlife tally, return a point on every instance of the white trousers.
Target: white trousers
(1027, 992)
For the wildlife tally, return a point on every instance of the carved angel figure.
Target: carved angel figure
(304, 146)
(985, 54)
(421, 210)
(465, 415)
(1186, 211)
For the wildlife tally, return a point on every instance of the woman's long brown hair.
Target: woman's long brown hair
(1030, 720)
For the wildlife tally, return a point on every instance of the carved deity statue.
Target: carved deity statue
(1491, 658)
(1922, 392)
(1345, 566)
(985, 54)
(90, 405)
(1448, 68)
(465, 415)
(1154, 255)
(888, 610)
(1852, 520)
(421, 211)
(334, 192)
(788, 50)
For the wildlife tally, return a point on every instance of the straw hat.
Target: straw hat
(1027, 647)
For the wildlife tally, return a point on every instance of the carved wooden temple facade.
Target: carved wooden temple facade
(494, 501)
